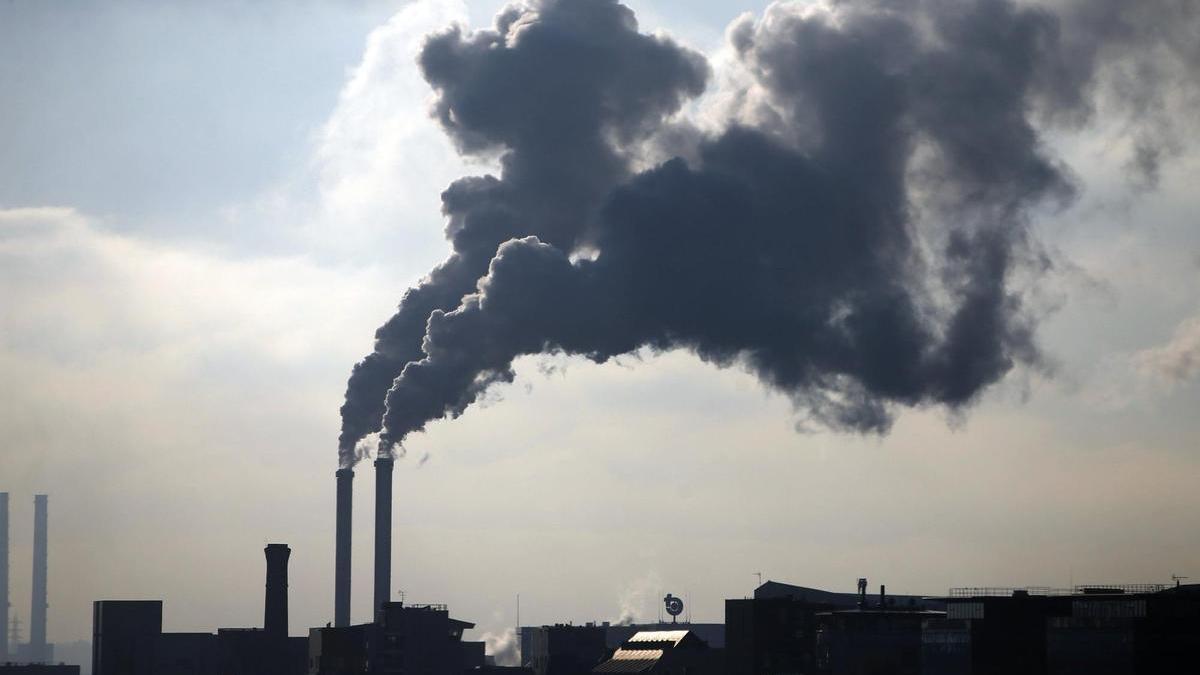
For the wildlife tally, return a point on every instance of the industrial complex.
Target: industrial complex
(782, 629)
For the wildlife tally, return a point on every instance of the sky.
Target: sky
(206, 209)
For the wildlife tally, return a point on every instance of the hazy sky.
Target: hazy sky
(207, 208)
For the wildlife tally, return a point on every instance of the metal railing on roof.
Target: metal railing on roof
(1005, 591)
(1080, 589)
(1120, 588)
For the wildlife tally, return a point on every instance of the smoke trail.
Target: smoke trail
(853, 237)
(637, 599)
(504, 647)
(558, 88)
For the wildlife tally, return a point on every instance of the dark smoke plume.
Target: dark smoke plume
(558, 89)
(853, 237)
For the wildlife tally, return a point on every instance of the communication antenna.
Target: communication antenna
(1176, 578)
(759, 575)
(674, 607)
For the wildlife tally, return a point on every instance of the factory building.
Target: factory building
(782, 630)
(1109, 630)
(589, 643)
(563, 649)
(713, 634)
(663, 652)
(870, 641)
(776, 630)
(127, 637)
(406, 639)
(123, 635)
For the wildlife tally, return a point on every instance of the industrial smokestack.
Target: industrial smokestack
(275, 608)
(3, 576)
(383, 532)
(341, 575)
(37, 609)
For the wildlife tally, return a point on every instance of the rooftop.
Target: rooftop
(1082, 589)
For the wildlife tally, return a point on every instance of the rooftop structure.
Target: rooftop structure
(660, 652)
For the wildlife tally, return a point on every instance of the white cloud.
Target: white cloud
(371, 189)
(72, 285)
(1178, 360)
(104, 335)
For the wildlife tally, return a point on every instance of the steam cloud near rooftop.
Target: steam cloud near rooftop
(856, 232)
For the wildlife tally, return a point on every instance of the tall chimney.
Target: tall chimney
(37, 609)
(275, 608)
(3, 576)
(383, 533)
(341, 574)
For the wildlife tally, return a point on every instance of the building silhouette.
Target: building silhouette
(783, 629)
(663, 652)
(563, 649)
(868, 641)
(713, 634)
(1110, 630)
(583, 644)
(777, 630)
(404, 640)
(127, 637)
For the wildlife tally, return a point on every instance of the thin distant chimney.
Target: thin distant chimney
(882, 596)
(38, 606)
(341, 580)
(4, 577)
(383, 533)
(275, 608)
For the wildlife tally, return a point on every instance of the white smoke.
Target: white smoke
(638, 598)
(504, 647)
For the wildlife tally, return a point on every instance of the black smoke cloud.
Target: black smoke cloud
(852, 237)
(557, 89)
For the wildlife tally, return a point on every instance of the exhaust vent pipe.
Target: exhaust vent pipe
(39, 604)
(383, 533)
(275, 607)
(341, 575)
(4, 577)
